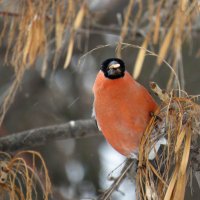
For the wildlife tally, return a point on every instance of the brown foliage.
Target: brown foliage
(19, 180)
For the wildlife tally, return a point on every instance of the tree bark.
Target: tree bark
(40, 136)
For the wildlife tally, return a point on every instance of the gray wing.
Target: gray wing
(94, 116)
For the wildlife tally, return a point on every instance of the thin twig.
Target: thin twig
(129, 163)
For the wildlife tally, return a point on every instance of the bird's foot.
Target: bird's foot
(157, 118)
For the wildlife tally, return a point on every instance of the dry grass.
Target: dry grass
(19, 180)
(140, 59)
(28, 34)
(124, 29)
(34, 29)
(166, 178)
(165, 26)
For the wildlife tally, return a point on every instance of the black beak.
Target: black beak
(114, 72)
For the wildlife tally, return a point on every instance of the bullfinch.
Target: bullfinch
(122, 107)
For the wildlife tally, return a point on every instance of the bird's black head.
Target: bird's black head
(113, 68)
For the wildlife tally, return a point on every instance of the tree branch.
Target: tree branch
(73, 129)
(40, 136)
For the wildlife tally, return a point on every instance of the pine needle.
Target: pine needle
(179, 192)
(124, 29)
(172, 183)
(186, 153)
(157, 27)
(165, 45)
(140, 58)
(77, 24)
(21, 179)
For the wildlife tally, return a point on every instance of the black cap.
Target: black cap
(113, 68)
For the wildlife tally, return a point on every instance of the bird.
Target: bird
(122, 107)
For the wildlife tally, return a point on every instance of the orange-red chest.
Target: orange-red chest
(122, 108)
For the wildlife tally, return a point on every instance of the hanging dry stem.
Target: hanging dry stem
(28, 32)
(166, 177)
(20, 180)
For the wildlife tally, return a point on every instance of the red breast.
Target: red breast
(122, 107)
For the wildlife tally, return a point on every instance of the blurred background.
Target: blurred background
(79, 169)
